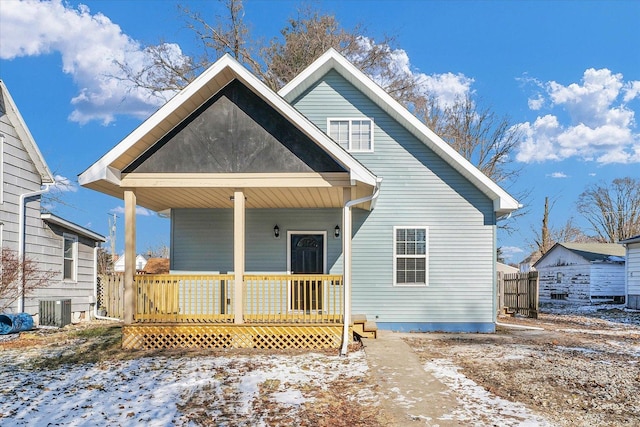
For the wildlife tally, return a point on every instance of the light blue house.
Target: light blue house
(329, 179)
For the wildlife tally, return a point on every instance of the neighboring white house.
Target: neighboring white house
(118, 267)
(582, 273)
(57, 245)
(632, 271)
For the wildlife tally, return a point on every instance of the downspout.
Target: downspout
(22, 237)
(346, 251)
(95, 288)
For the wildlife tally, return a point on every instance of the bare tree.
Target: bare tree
(613, 210)
(477, 133)
(19, 277)
(543, 241)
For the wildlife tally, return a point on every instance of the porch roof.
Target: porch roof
(160, 191)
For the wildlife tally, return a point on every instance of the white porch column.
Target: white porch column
(129, 256)
(238, 254)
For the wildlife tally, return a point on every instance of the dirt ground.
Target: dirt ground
(583, 369)
(580, 369)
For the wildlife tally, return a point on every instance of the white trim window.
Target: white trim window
(70, 257)
(354, 135)
(2, 168)
(411, 256)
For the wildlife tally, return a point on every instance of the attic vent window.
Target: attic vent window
(354, 135)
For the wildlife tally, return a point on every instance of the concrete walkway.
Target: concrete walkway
(410, 395)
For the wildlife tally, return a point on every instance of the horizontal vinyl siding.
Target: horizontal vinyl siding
(607, 280)
(48, 250)
(418, 189)
(632, 268)
(202, 239)
(19, 176)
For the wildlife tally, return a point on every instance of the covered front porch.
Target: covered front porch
(225, 149)
(278, 311)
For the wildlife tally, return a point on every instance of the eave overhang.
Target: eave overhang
(107, 177)
(503, 203)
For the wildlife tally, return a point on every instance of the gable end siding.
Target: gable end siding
(418, 189)
(235, 131)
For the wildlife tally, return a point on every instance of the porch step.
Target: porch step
(363, 327)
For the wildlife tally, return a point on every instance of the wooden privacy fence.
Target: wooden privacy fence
(111, 295)
(518, 293)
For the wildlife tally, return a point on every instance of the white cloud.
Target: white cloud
(446, 87)
(592, 174)
(509, 252)
(64, 184)
(139, 211)
(89, 46)
(558, 175)
(535, 103)
(601, 123)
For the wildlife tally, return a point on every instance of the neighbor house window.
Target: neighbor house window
(1, 168)
(70, 256)
(352, 134)
(411, 255)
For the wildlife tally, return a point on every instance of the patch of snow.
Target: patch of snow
(477, 403)
(151, 390)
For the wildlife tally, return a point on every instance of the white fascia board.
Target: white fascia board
(98, 169)
(503, 202)
(53, 219)
(25, 136)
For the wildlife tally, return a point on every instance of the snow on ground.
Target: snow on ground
(161, 391)
(477, 404)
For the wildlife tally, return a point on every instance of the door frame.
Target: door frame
(290, 234)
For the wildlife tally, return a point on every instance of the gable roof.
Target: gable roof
(592, 252)
(157, 266)
(105, 174)
(61, 222)
(11, 110)
(332, 60)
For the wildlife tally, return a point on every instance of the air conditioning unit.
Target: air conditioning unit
(55, 312)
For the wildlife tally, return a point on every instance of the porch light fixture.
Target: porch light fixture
(276, 232)
(336, 231)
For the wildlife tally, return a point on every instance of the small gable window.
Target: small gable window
(352, 134)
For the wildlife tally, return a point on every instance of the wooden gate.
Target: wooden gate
(111, 295)
(518, 293)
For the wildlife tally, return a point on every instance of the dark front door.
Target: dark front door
(307, 258)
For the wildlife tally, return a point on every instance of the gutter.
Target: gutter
(346, 253)
(22, 237)
(95, 288)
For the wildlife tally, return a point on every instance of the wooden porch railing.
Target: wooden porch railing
(296, 298)
(184, 298)
(266, 298)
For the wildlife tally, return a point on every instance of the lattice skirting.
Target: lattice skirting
(232, 336)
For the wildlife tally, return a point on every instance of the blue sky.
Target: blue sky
(568, 72)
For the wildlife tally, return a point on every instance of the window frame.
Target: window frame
(350, 121)
(424, 256)
(74, 268)
(2, 145)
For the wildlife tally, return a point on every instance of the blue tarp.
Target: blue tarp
(10, 323)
